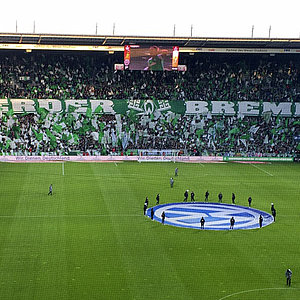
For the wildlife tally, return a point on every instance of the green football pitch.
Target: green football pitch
(90, 239)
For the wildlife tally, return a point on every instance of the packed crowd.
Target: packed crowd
(41, 75)
(91, 76)
(61, 134)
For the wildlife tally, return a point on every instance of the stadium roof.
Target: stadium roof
(116, 43)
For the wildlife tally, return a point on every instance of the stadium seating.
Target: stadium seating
(78, 76)
(213, 78)
(194, 135)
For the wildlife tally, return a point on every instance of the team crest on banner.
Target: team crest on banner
(148, 107)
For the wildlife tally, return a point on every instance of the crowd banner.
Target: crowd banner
(108, 158)
(116, 158)
(151, 106)
(265, 159)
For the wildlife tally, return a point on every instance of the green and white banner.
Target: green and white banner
(148, 107)
(258, 158)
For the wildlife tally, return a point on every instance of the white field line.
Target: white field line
(67, 216)
(259, 168)
(82, 216)
(256, 290)
(115, 164)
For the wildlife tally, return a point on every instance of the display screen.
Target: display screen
(153, 58)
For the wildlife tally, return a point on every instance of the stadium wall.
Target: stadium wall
(118, 158)
(108, 158)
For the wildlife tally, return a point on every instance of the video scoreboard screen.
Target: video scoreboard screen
(153, 58)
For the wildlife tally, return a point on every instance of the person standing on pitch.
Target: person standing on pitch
(145, 207)
(260, 221)
(186, 195)
(274, 214)
(152, 213)
(220, 197)
(233, 198)
(176, 172)
(249, 201)
(192, 197)
(272, 207)
(171, 182)
(157, 199)
(163, 216)
(202, 221)
(206, 196)
(50, 190)
(232, 221)
(288, 275)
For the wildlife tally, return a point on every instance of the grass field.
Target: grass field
(90, 239)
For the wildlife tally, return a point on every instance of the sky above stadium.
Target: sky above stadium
(218, 18)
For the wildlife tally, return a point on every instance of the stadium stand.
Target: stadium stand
(210, 77)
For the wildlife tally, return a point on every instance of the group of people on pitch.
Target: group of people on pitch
(202, 221)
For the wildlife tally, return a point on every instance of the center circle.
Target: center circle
(217, 216)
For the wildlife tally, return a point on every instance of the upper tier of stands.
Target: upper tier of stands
(214, 77)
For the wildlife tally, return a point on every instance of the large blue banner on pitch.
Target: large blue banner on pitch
(217, 216)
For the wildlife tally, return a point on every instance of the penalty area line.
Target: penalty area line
(261, 169)
(256, 290)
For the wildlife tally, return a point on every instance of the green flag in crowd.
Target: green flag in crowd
(10, 112)
(234, 131)
(174, 121)
(69, 120)
(38, 136)
(42, 112)
(50, 135)
(53, 144)
(101, 135)
(210, 124)
(4, 118)
(296, 122)
(273, 131)
(76, 138)
(66, 137)
(89, 112)
(132, 116)
(101, 126)
(199, 133)
(16, 130)
(57, 128)
(287, 123)
(246, 136)
(98, 109)
(85, 128)
(8, 141)
(71, 108)
(278, 119)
